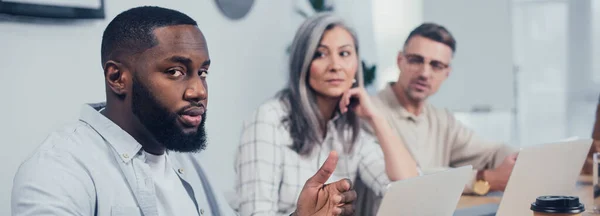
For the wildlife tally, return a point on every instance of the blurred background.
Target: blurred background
(524, 72)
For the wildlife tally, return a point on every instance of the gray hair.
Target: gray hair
(304, 119)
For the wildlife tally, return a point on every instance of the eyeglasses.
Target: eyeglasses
(416, 62)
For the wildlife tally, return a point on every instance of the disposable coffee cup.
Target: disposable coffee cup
(557, 206)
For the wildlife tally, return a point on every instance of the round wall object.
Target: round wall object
(235, 9)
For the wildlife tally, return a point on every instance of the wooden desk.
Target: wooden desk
(584, 191)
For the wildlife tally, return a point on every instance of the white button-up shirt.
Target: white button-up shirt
(93, 167)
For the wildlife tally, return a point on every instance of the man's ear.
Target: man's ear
(399, 58)
(116, 76)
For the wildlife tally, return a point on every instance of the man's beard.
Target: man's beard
(162, 124)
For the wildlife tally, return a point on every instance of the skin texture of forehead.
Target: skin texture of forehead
(172, 39)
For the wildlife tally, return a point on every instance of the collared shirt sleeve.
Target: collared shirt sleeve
(52, 184)
(259, 165)
(469, 149)
(371, 167)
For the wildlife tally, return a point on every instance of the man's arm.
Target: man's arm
(49, 184)
(468, 149)
(399, 163)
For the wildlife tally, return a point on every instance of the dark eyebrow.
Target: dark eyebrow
(324, 46)
(414, 55)
(342, 46)
(433, 61)
(180, 59)
(187, 61)
(206, 63)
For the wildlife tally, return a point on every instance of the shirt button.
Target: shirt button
(201, 211)
(125, 155)
(180, 170)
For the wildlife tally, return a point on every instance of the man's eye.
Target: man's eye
(414, 60)
(175, 72)
(437, 67)
(203, 74)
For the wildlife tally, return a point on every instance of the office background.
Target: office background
(524, 72)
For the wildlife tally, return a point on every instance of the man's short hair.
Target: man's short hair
(131, 31)
(433, 32)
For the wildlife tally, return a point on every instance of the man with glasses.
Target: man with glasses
(435, 138)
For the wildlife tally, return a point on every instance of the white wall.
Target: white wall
(558, 86)
(582, 90)
(482, 69)
(50, 69)
(540, 32)
(359, 15)
(393, 20)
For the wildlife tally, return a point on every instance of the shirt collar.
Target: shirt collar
(389, 97)
(123, 143)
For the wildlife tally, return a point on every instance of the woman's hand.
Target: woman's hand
(357, 100)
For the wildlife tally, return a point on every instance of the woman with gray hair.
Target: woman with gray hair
(289, 137)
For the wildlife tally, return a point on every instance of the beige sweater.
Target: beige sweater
(437, 140)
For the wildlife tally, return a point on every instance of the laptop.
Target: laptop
(546, 169)
(435, 194)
